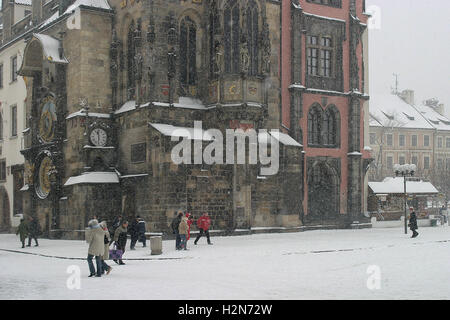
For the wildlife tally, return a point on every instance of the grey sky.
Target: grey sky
(412, 41)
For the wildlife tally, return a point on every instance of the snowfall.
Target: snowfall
(329, 264)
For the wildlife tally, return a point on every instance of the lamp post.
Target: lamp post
(404, 171)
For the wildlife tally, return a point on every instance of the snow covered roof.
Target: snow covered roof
(390, 110)
(182, 132)
(93, 178)
(127, 106)
(283, 138)
(82, 113)
(23, 2)
(101, 4)
(184, 102)
(437, 120)
(50, 48)
(396, 186)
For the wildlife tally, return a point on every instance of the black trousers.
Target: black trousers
(32, 237)
(133, 242)
(203, 232)
(415, 233)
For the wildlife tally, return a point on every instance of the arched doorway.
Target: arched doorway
(5, 216)
(323, 193)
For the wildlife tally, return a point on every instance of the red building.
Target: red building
(324, 96)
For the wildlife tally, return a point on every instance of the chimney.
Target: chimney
(440, 109)
(408, 96)
(8, 18)
(37, 11)
(63, 5)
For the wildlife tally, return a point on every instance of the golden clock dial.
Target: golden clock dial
(47, 121)
(44, 187)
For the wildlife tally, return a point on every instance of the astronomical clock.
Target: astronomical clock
(47, 120)
(46, 136)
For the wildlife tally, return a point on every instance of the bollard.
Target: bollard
(156, 245)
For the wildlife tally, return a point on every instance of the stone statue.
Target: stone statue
(245, 58)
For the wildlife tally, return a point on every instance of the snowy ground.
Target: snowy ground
(308, 265)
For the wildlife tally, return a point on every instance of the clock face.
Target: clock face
(99, 137)
(47, 120)
(43, 186)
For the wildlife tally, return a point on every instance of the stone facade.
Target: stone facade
(112, 75)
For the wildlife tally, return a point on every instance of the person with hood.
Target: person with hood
(34, 230)
(95, 236)
(22, 230)
(203, 224)
(105, 256)
(413, 222)
(133, 232)
(175, 224)
(120, 239)
(183, 232)
(141, 231)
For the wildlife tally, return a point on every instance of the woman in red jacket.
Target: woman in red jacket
(189, 222)
(203, 224)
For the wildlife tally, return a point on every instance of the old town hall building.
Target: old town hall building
(110, 83)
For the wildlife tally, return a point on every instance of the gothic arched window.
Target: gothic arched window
(188, 53)
(130, 57)
(252, 36)
(330, 126)
(314, 125)
(232, 32)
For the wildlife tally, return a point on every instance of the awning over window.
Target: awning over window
(93, 178)
(182, 132)
(396, 186)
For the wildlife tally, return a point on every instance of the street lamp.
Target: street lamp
(405, 170)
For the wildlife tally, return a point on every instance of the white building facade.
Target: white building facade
(16, 17)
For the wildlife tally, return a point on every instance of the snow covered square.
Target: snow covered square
(369, 264)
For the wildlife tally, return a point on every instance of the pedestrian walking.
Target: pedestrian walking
(107, 239)
(22, 231)
(120, 239)
(183, 231)
(189, 222)
(134, 233)
(175, 224)
(95, 236)
(34, 230)
(141, 231)
(115, 224)
(413, 222)
(203, 224)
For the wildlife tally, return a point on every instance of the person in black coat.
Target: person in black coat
(134, 233)
(120, 239)
(34, 230)
(141, 231)
(175, 224)
(413, 222)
